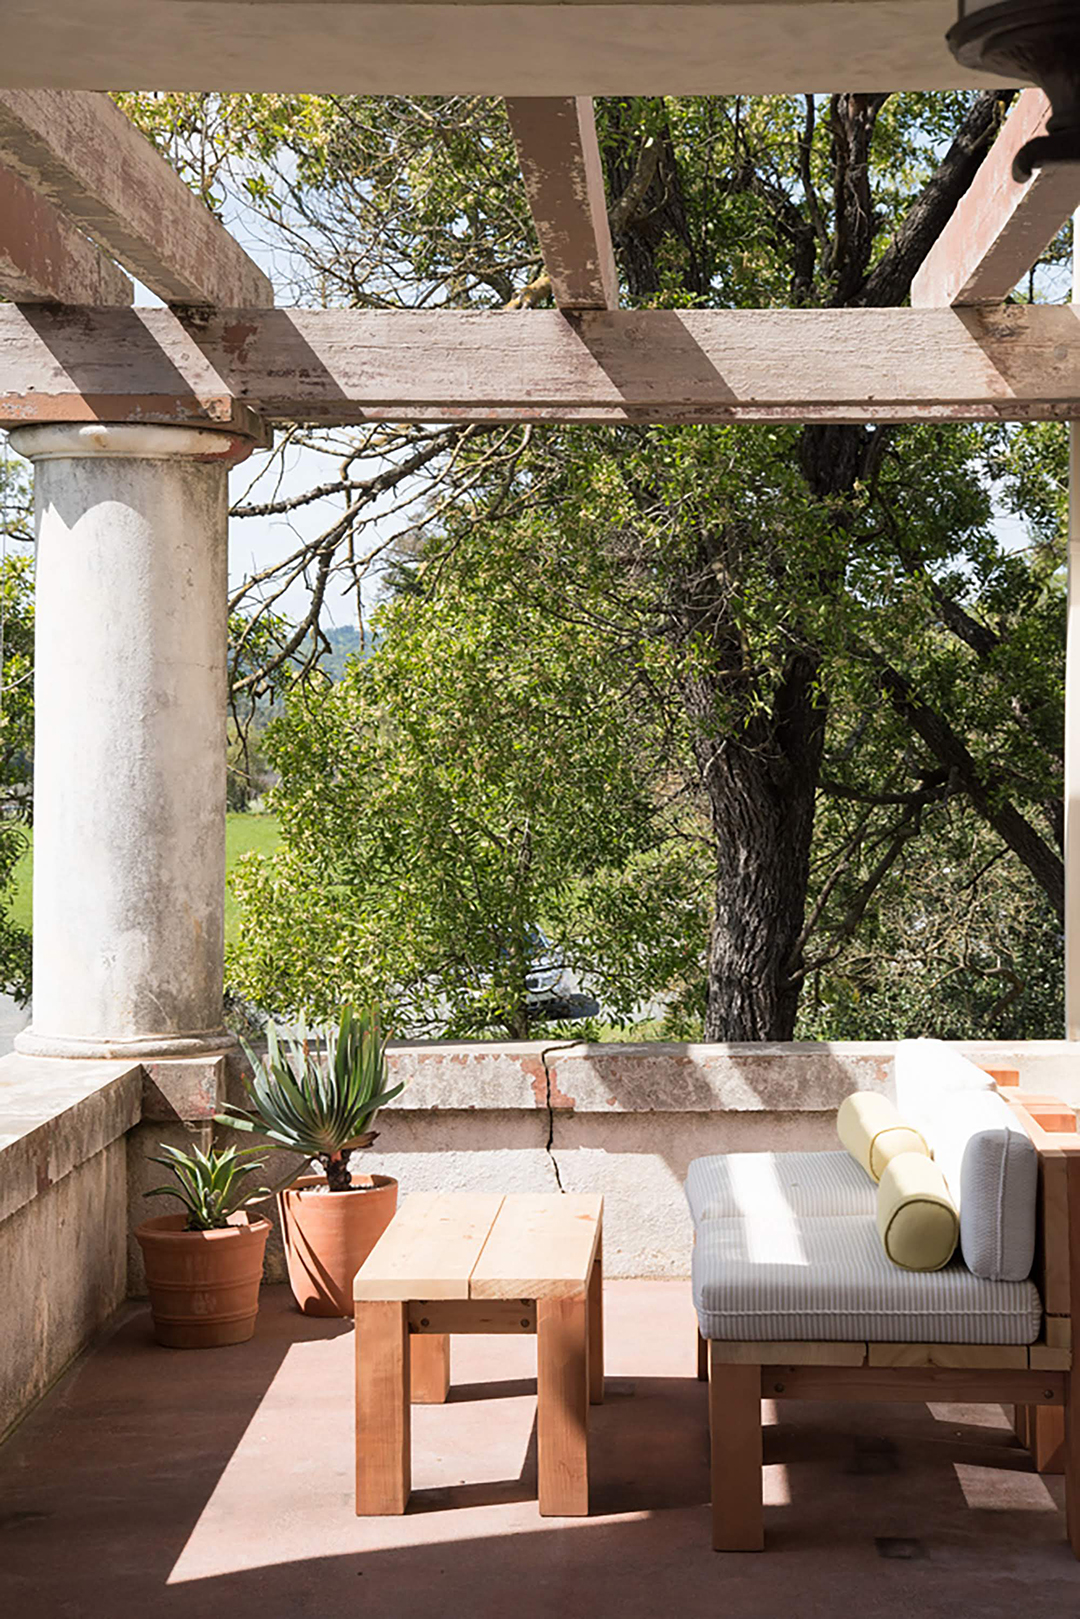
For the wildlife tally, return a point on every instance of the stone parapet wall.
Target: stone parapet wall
(63, 1214)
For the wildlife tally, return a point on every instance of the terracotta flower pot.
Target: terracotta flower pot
(328, 1235)
(204, 1285)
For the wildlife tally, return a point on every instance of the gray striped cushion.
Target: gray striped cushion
(745, 1183)
(828, 1278)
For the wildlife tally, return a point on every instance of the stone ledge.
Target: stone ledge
(55, 1113)
(650, 1077)
(188, 1088)
(471, 1076)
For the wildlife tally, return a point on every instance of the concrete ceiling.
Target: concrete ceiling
(527, 47)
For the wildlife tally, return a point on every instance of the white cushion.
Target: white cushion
(829, 1279)
(989, 1163)
(925, 1070)
(736, 1183)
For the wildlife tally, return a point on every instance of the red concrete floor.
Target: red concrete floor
(157, 1483)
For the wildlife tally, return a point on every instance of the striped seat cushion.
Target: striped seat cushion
(755, 1183)
(828, 1278)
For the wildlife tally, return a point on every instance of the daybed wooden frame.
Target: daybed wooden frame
(1036, 1379)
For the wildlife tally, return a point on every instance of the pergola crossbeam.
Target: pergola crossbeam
(472, 47)
(564, 183)
(1000, 228)
(710, 366)
(45, 259)
(77, 150)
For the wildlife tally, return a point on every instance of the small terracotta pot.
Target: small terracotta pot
(328, 1235)
(204, 1285)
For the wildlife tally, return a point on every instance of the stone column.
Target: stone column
(129, 755)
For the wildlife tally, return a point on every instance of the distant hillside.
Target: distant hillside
(344, 644)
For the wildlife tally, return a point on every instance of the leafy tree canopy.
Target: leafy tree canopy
(852, 680)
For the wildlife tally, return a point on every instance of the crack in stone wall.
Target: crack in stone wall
(549, 1103)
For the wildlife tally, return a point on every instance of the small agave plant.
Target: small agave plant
(318, 1096)
(211, 1185)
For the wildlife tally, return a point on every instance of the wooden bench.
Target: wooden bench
(480, 1263)
(1037, 1379)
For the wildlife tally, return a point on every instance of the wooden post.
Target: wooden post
(1072, 722)
(562, 1406)
(1072, 1382)
(383, 1437)
(735, 1443)
(596, 1326)
(429, 1367)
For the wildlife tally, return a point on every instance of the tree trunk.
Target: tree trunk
(762, 801)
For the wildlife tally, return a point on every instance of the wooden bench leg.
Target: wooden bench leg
(1046, 1437)
(596, 1327)
(1071, 1467)
(383, 1438)
(429, 1367)
(562, 1406)
(702, 1357)
(735, 1429)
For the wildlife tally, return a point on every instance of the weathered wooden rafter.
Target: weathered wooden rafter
(77, 150)
(564, 183)
(45, 259)
(342, 366)
(512, 47)
(1001, 227)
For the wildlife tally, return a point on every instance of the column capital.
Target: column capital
(146, 441)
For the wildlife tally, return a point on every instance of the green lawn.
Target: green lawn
(243, 833)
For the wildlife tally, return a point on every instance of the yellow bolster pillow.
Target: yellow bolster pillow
(916, 1218)
(873, 1132)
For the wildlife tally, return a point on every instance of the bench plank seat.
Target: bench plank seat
(430, 1248)
(540, 1247)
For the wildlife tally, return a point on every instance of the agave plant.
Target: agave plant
(319, 1097)
(209, 1184)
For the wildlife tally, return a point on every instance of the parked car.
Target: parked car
(552, 992)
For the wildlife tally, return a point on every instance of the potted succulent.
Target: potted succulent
(320, 1098)
(204, 1266)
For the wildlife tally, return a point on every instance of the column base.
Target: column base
(212, 1043)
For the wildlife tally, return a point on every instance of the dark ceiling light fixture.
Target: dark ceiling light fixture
(1037, 41)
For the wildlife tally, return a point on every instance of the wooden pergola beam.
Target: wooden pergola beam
(344, 366)
(472, 47)
(560, 163)
(44, 259)
(77, 150)
(1000, 228)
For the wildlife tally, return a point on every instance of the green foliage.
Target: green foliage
(477, 775)
(322, 1101)
(958, 943)
(211, 1185)
(16, 762)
